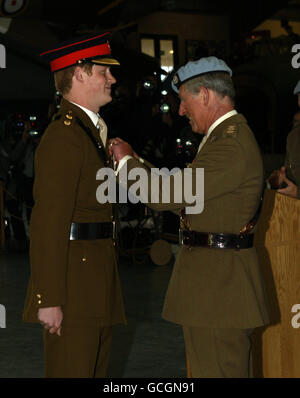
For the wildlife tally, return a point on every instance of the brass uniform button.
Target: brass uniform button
(84, 259)
(39, 302)
(38, 296)
(69, 116)
(67, 122)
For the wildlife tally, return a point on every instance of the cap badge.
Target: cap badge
(175, 79)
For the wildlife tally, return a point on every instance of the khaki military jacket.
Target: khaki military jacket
(79, 275)
(292, 159)
(220, 288)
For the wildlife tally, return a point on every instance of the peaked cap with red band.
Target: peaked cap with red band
(94, 49)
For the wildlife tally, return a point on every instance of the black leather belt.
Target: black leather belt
(215, 240)
(95, 230)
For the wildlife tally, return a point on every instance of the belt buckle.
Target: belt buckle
(221, 242)
(180, 237)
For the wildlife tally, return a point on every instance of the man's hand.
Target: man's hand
(276, 178)
(51, 318)
(291, 189)
(119, 148)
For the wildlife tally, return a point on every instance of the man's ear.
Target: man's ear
(79, 74)
(205, 95)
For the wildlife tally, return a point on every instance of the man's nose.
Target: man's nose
(111, 78)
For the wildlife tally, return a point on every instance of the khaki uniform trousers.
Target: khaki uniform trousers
(80, 351)
(218, 352)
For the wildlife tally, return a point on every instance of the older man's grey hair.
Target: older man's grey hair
(219, 82)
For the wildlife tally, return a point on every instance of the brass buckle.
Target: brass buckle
(210, 240)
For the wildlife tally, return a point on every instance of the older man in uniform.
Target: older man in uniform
(289, 174)
(216, 290)
(74, 289)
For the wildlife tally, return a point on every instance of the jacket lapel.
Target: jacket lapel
(87, 125)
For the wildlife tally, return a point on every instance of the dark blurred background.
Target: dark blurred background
(151, 39)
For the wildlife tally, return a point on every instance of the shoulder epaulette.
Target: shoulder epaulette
(231, 131)
(68, 118)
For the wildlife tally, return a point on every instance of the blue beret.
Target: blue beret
(194, 69)
(297, 88)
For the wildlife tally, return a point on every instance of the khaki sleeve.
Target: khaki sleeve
(57, 171)
(213, 173)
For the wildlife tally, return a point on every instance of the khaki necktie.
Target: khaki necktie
(101, 126)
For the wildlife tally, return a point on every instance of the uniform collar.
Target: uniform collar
(214, 125)
(220, 120)
(92, 115)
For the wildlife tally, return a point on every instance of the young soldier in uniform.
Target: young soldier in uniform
(216, 291)
(74, 289)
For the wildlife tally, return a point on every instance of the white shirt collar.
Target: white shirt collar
(214, 125)
(220, 120)
(92, 115)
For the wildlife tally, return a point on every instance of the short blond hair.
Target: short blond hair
(63, 77)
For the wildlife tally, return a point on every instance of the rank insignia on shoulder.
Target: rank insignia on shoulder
(230, 132)
(68, 119)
